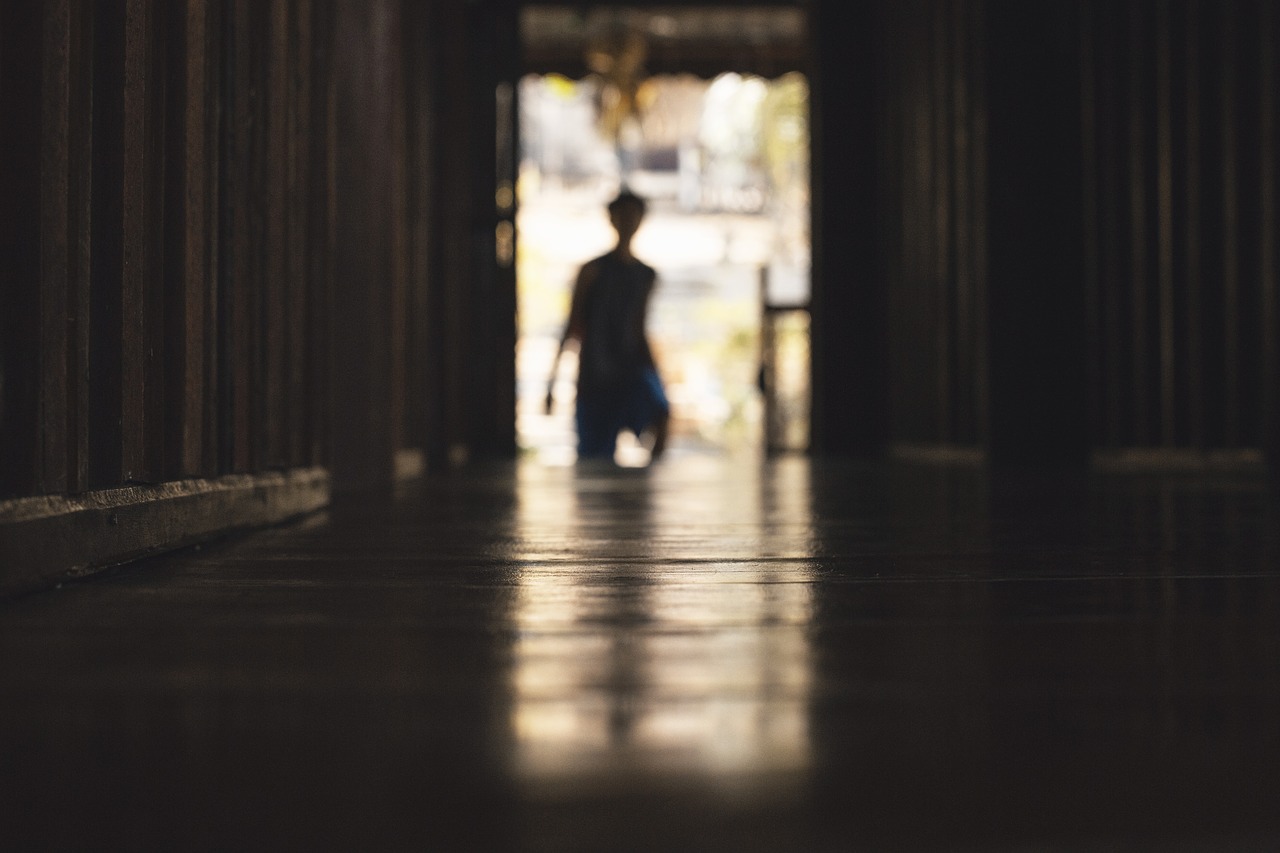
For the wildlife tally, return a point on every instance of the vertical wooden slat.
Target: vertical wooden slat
(434, 55)
(922, 233)
(79, 208)
(962, 234)
(298, 328)
(1113, 379)
(939, 147)
(21, 36)
(196, 281)
(399, 295)
(322, 217)
(508, 174)
(1138, 268)
(134, 236)
(1164, 221)
(415, 43)
(324, 210)
(156, 343)
(178, 338)
(920, 241)
(213, 72)
(222, 302)
(238, 365)
(255, 242)
(54, 249)
(1230, 229)
(106, 261)
(977, 12)
(1192, 251)
(454, 184)
(901, 190)
(274, 255)
(1090, 143)
(488, 56)
(1268, 229)
(365, 66)
(188, 261)
(264, 235)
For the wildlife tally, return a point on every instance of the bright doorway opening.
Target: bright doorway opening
(724, 166)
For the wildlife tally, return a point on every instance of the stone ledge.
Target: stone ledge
(1158, 460)
(48, 539)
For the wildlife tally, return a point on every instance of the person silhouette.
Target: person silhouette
(618, 383)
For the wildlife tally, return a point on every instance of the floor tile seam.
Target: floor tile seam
(206, 589)
(828, 578)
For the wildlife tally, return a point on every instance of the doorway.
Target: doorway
(723, 161)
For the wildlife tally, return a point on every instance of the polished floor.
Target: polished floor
(716, 654)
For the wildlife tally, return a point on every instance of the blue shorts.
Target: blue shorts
(634, 406)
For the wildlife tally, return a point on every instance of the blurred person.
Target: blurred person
(618, 383)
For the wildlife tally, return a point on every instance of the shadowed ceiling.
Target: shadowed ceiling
(705, 40)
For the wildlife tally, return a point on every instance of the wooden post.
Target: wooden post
(850, 364)
(1036, 325)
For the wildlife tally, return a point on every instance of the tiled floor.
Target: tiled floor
(711, 655)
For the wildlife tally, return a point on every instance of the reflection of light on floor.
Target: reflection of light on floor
(628, 658)
(630, 453)
(702, 704)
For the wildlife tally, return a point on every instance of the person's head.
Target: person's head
(625, 212)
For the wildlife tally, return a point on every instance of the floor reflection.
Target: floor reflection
(636, 651)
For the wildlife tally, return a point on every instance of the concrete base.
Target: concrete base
(45, 540)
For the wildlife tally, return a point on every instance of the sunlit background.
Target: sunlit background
(724, 165)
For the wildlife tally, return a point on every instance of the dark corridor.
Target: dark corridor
(1022, 594)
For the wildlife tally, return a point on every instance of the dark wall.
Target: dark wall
(1179, 119)
(154, 325)
(1043, 229)
(850, 345)
(271, 229)
(370, 280)
(1035, 329)
(932, 135)
(216, 254)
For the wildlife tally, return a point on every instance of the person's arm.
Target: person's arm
(642, 333)
(574, 328)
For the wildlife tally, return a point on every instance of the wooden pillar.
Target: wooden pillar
(485, 347)
(492, 64)
(499, 193)
(20, 92)
(1269, 226)
(472, 295)
(850, 364)
(420, 48)
(450, 309)
(1036, 324)
(366, 68)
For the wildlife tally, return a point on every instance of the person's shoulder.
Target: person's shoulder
(591, 269)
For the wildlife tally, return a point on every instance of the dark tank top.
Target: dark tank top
(614, 349)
